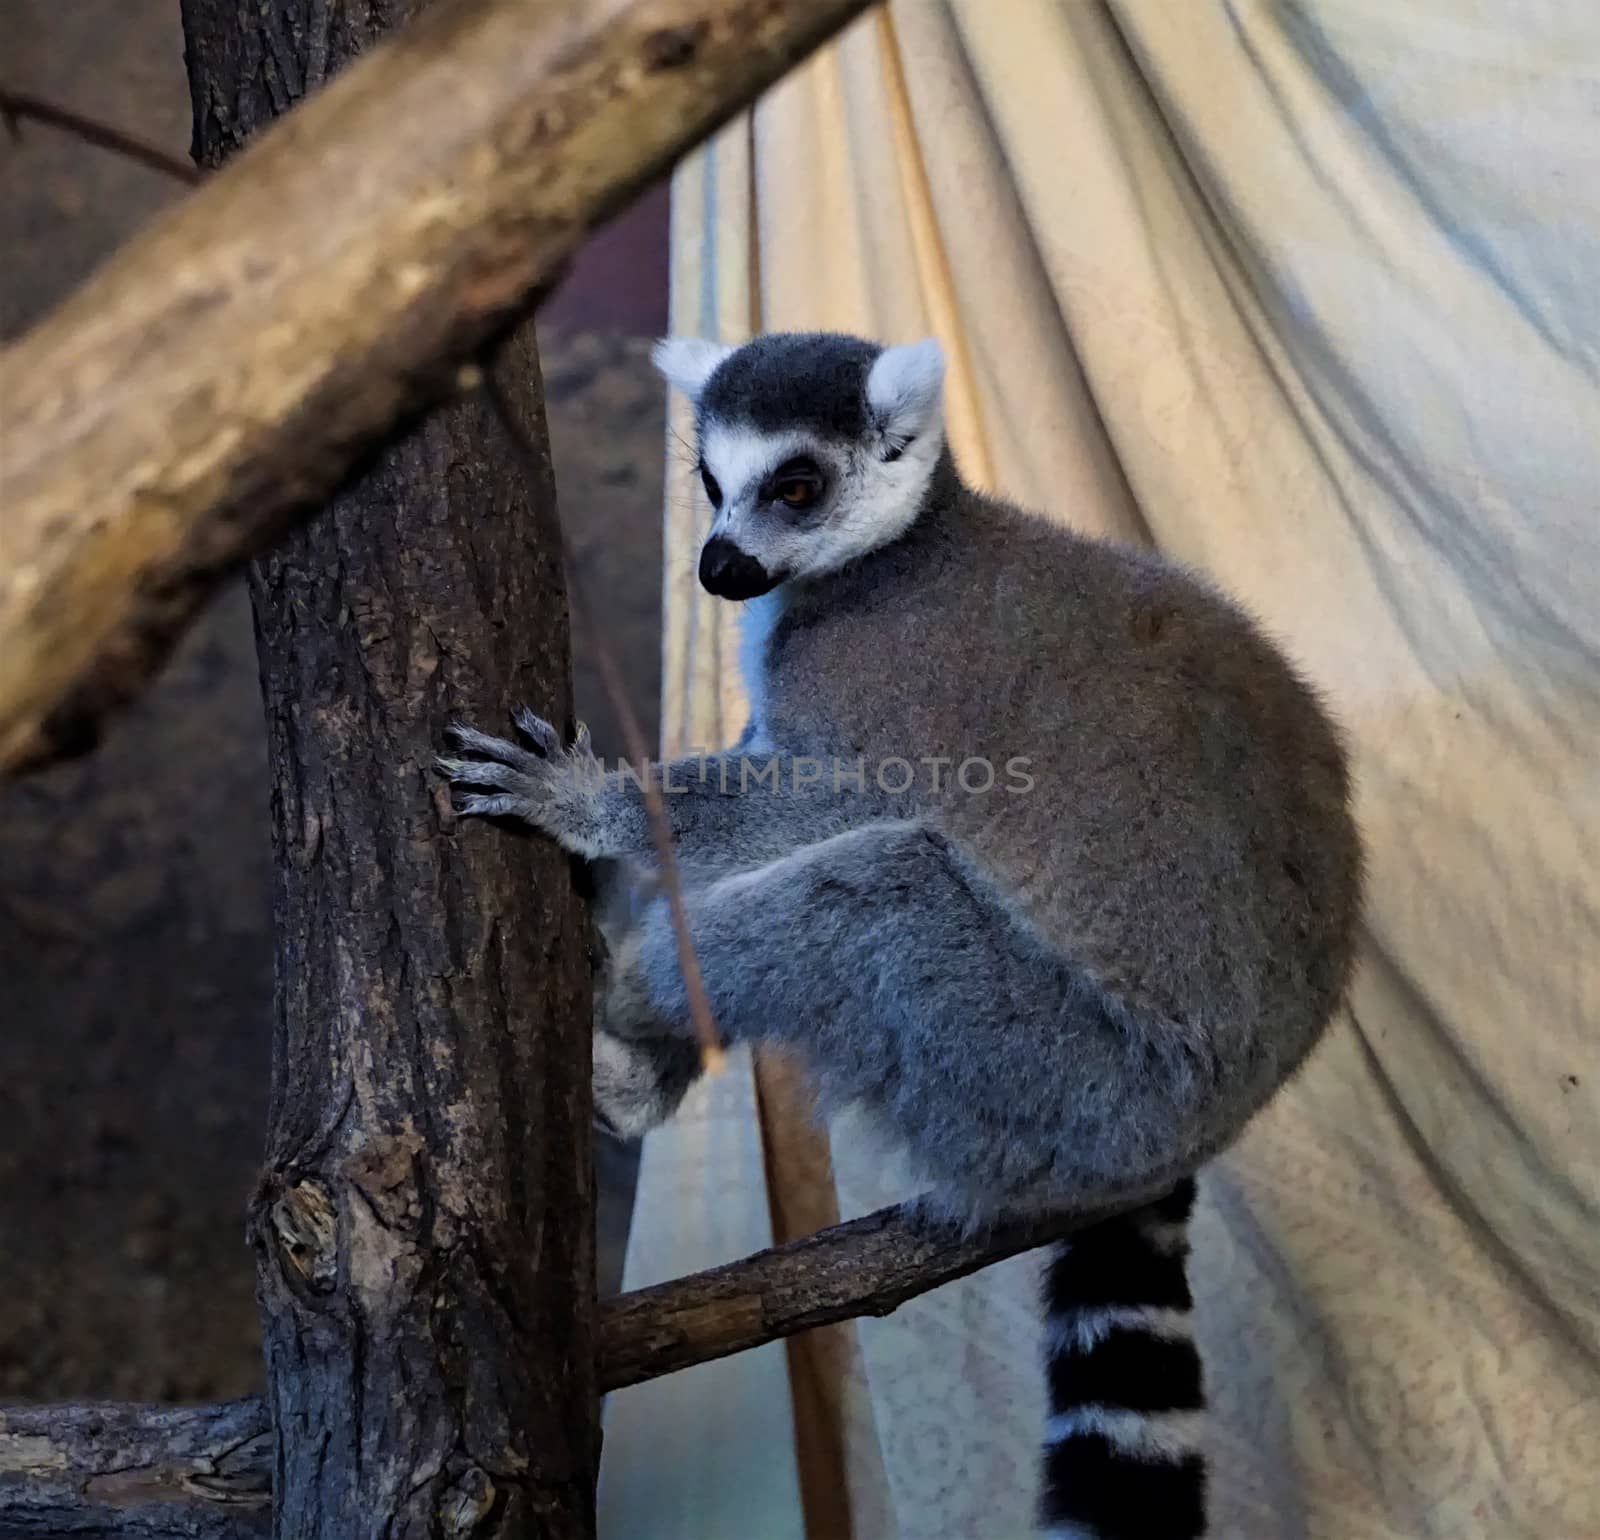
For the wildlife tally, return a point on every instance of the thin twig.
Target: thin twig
(705, 1027)
(18, 106)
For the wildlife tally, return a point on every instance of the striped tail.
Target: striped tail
(1121, 1457)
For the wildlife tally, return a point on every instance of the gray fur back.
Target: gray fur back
(1188, 842)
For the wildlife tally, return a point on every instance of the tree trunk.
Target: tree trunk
(423, 1228)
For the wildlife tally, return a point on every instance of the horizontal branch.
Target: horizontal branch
(869, 1266)
(226, 368)
(136, 1472)
(203, 1473)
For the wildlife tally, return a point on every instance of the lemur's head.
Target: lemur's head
(814, 449)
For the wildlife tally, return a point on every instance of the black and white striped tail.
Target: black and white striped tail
(1121, 1453)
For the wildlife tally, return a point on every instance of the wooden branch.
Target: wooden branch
(227, 367)
(136, 1472)
(869, 1266)
(54, 1457)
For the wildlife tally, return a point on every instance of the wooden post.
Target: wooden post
(423, 1229)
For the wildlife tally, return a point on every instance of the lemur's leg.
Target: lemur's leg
(726, 811)
(640, 1082)
(908, 988)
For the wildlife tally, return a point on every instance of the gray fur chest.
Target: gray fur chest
(849, 685)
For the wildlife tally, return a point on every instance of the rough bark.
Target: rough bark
(227, 367)
(51, 1458)
(136, 1472)
(423, 1227)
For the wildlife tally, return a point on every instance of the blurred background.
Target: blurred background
(135, 953)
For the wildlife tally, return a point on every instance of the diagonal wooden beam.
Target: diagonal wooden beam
(224, 370)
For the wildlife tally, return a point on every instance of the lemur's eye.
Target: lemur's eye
(796, 485)
(713, 491)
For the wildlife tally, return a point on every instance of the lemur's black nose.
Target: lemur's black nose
(729, 573)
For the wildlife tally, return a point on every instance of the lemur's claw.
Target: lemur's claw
(499, 750)
(476, 805)
(536, 730)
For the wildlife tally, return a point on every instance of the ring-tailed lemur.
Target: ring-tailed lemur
(1071, 973)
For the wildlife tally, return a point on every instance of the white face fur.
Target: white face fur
(855, 495)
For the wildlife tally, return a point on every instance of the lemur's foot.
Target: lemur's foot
(639, 1082)
(641, 1068)
(559, 791)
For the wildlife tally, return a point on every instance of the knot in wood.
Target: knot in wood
(384, 1168)
(670, 48)
(466, 1504)
(305, 1224)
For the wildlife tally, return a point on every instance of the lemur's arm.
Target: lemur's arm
(735, 809)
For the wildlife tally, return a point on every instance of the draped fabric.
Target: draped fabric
(1307, 295)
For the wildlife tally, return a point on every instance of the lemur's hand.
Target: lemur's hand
(559, 791)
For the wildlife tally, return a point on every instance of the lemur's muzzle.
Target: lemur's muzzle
(729, 573)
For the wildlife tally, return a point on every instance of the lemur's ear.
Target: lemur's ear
(688, 362)
(903, 389)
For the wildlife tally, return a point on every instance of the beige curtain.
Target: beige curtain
(1307, 295)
